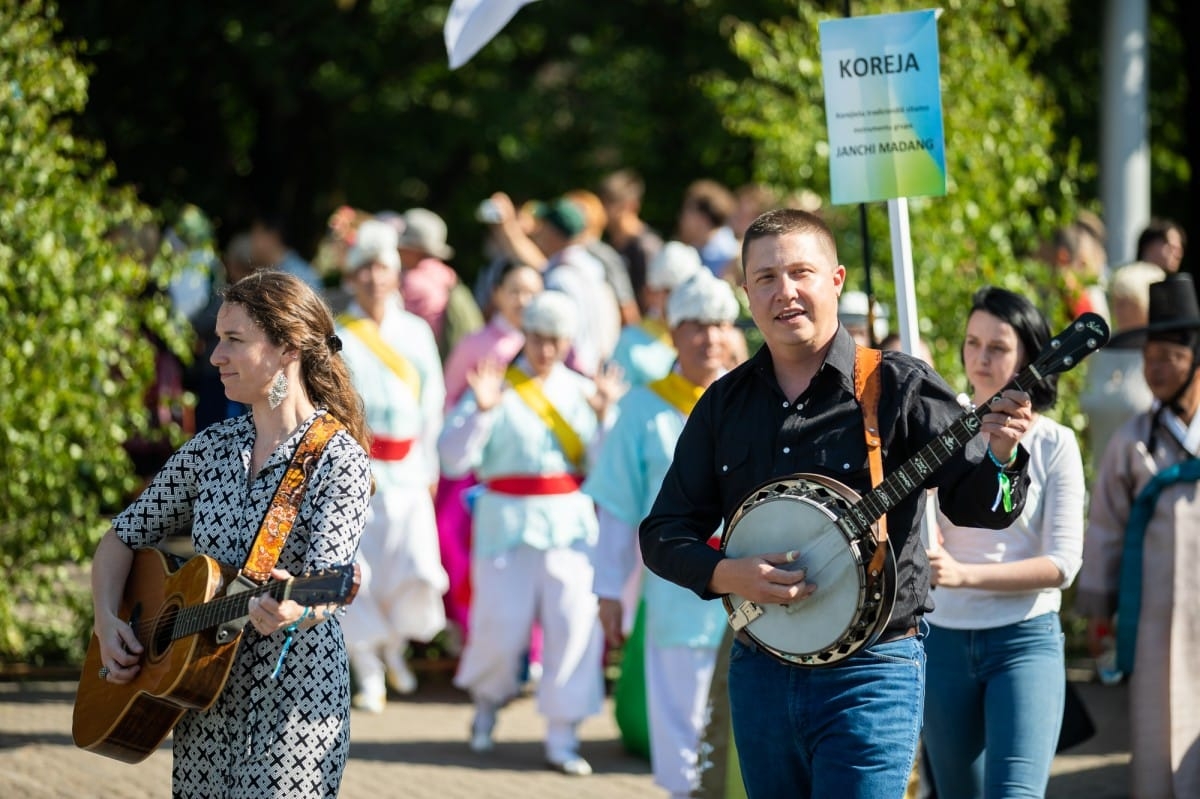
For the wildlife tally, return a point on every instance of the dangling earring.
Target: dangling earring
(279, 390)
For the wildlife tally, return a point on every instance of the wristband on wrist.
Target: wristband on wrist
(1001, 465)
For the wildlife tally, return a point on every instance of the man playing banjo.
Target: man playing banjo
(850, 728)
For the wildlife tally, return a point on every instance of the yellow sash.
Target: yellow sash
(368, 333)
(530, 391)
(657, 329)
(678, 392)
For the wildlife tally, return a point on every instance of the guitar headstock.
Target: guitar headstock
(1081, 338)
(337, 584)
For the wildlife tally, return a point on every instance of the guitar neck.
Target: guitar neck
(912, 475)
(194, 619)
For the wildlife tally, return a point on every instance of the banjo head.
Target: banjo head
(849, 609)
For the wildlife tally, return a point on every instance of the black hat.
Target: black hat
(1173, 308)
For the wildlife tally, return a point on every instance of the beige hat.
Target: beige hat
(550, 313)
(674, 264)
(425, 231)
(373, 241)
(704, 298)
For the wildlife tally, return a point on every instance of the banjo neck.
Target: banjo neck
(1085, 335)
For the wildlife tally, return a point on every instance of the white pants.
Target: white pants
(400, 596)
(677, 682)
(510, 592)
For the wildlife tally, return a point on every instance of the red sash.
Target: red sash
(390, 449)
(531, 485)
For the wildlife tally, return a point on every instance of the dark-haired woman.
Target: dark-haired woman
(995, 688)
(280, 727)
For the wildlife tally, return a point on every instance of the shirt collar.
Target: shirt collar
(840, 357)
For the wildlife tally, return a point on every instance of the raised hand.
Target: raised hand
(487, 383)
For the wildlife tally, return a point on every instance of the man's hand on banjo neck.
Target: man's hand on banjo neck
(762, 578)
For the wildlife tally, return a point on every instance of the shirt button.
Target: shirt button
(799, 406)
(846, 466)
(725, 468)
(785, 403)
(786, 450)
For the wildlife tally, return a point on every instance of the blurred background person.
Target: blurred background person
(996, 677)
(526, 432)
(868, 326)
(1141, 564)
(499, 341)
(1162, 242)
(429, 285)
(704, 223)
(644, 350)
(616, 273)
(638, 243)
(1114, 389)
(682, 631)
(394, 363)
(270, 250)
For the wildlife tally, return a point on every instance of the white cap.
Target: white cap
(852, 310)
(704, 298)
(550, 313)
(374, 241)
(672, 266)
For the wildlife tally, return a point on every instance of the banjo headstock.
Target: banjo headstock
(1078, 340)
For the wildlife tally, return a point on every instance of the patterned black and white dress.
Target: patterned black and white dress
(283, 737)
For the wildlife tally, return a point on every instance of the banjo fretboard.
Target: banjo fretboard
(1084, 336)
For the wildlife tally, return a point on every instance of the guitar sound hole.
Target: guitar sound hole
(164, 623)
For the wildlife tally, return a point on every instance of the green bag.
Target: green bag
(629, 693)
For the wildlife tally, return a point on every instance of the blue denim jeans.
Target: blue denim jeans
(848, 731)
(993, 707)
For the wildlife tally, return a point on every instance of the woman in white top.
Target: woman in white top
(995, 687)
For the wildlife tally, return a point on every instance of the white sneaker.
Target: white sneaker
(482, 727)
(571, 764)
(399, 676)
(369, 702)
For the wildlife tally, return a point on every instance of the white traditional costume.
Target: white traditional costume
(533, 537)
(682, 631)
(396, 369)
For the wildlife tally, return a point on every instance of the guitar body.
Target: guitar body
(128, 722)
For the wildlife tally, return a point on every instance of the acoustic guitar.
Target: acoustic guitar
(190, 625)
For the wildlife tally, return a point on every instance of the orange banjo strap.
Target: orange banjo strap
(867, 391)
(276, 525)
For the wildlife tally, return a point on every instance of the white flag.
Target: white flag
(473, 23)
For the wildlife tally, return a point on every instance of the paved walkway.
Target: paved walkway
(416, 749)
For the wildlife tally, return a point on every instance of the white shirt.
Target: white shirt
(1051, 525)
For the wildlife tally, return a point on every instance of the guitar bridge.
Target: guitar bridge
(744, 614)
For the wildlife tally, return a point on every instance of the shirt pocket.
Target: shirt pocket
(842, 455)
(736, 475)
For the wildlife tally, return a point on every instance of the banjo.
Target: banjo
(838, 538)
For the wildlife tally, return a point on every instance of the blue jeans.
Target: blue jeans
(848, 731)
(993, 708)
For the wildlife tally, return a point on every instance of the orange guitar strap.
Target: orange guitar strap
(867, 391)
(276, 525)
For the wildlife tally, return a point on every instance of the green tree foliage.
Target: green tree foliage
(1010, 180)
(302, 107)
(74, 363)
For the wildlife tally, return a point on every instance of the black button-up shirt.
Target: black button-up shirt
(744, 432)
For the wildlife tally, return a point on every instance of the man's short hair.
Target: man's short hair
(783, 221)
